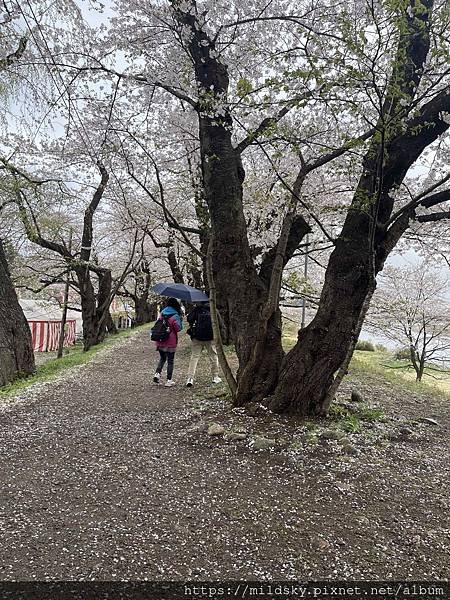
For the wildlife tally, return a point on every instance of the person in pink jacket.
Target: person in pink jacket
(167, 348)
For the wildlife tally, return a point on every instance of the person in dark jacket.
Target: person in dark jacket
(167, 348)
(201, 334)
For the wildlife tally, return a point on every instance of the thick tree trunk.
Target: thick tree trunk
(343, 368)
(259, 376)
(16, 352)
(261, 381)
(145, 311)
(308, 371)
(94, 307)
(89, 315)
(308, 374)
(241, 292)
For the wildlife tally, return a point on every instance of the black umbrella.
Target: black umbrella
(180, 291)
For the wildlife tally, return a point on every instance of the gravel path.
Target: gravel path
(108, 476)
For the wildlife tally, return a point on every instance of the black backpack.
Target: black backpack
(160, 330)
(203, 327)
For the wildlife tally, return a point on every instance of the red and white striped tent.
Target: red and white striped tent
(44, 319)
(45, 334)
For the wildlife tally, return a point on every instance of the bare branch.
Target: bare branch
(439, 216)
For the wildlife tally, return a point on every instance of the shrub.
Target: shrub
(402, 354)
(365, 346)
(380, 348)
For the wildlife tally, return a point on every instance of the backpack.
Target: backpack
(161, 330)
(203, 327)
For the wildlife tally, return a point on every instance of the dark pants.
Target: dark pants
(170, 357)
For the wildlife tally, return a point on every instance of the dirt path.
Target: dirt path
(108, 476)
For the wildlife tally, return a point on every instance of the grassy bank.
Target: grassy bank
(384, 365)
(73, 356)
(399, 372)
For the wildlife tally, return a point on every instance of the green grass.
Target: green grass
(351, 424)
(350, 421)
(398, 373)
(371, 414)
(290, 333)
(73, 356)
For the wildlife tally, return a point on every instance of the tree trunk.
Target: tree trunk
(16, 352)
(343, 368)
(422, 367)
(308, 374)
(307, 377)
(174, 266)
(308, 371)
(261, 381)
(144, 310)
(419, 366)
(88, 312)
(94, 307)
(110, 325)
(241, 292)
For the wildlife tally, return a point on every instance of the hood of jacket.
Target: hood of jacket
(171, 312)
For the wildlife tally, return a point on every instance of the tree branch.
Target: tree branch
(297, 232)
(138, 78)
(15, 171)
(86, 240)
(33, 235)
(261, 129)
(439, 216)
(15, 56)
(417, 200)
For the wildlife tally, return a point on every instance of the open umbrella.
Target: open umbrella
(180, 291)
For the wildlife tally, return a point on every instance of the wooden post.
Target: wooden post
(65, 304)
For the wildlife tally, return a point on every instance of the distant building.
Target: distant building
(122, 314)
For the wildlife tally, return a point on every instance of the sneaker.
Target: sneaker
(169, 383)
(189, 382)
(156, 377)
(217, 379)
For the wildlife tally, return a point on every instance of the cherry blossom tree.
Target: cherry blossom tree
(411, 307)
(393, 104)
(16, 352)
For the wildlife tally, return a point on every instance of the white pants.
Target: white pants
(196, 350)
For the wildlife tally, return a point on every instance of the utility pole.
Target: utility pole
(65, 304)
(305, 274)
